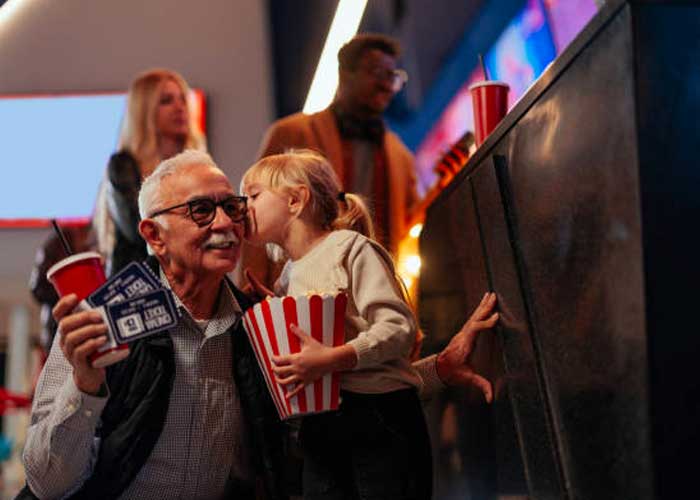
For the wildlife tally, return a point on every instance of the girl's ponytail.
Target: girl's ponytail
(353, 214)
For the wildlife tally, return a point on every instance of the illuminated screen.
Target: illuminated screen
(520, 54)
(567, 19)
(55, 150)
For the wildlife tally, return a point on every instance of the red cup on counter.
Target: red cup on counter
(490, 103)
(82, 274)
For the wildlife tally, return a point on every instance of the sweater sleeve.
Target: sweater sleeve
(427, 370)
(392, 329)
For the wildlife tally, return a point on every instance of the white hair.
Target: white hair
(149, 196)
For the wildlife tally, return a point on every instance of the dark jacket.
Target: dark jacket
(81, 238)
(123, 185)
(134, 416)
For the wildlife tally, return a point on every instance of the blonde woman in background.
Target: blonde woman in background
(157, 125)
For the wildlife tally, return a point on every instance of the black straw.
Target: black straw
(483, 67)
(62, 237)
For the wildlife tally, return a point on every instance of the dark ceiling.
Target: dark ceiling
(427, 30)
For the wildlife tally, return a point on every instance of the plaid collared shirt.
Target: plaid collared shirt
(201, 442)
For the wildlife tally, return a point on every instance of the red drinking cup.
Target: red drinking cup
(82, 274)
(490, 102)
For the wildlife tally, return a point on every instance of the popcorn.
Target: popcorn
(267, 323)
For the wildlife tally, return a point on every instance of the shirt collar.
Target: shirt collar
(228, 310)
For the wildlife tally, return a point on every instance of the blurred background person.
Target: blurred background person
(157, 124)
(81, 238)
(368, 158)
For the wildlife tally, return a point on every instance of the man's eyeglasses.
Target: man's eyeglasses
(203, 210)
(397, 77)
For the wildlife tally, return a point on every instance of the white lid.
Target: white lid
(489, 82)
(70, 260)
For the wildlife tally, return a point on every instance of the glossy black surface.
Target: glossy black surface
(579, 212)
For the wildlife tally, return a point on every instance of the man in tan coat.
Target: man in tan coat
(369, 159)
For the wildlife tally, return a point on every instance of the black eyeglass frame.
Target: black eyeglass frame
(205, 222)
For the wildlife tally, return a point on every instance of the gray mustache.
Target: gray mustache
(222, 238)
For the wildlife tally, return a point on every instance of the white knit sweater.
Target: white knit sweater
(378, 323)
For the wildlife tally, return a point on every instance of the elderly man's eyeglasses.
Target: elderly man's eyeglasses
(397, 77)
(203, 210)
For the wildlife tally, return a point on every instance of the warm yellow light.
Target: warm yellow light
(413, 264)
(414, 232)
(344, 26)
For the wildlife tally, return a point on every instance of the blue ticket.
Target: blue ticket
(132, 281)
(142, 316)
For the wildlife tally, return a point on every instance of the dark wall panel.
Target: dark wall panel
(453, 281)
(668, 90)
(522, 378)
(584, 202)
(573, 172)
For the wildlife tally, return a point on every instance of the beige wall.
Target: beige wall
(220, 46)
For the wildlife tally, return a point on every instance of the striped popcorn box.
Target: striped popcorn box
(268, 327)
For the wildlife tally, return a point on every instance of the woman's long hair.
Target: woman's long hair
(139, 137)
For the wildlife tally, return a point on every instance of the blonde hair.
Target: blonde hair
(329, 206)
(139, 137)
(139, 134)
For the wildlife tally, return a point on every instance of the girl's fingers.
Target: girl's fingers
(487, 323)
(297, 390)
(299, 333)
(485, 306)
(484, 386)
(283, 371)
(281, 360)
(287, 380)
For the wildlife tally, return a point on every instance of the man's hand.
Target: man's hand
(81, 334)
(454, 364)
(311, 363)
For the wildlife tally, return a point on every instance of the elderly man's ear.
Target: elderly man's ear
(151, 232)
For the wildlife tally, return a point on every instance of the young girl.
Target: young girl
(376, 445)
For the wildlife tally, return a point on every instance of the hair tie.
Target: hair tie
(341, 196)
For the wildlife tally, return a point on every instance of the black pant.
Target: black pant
(375, 447)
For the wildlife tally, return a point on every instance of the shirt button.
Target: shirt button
(88, 413)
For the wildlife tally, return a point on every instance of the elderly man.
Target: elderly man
(187, 414)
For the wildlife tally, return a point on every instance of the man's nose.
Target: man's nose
(385, 84)
(221, 220)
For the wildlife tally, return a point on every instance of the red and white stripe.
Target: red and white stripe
(267, 324)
